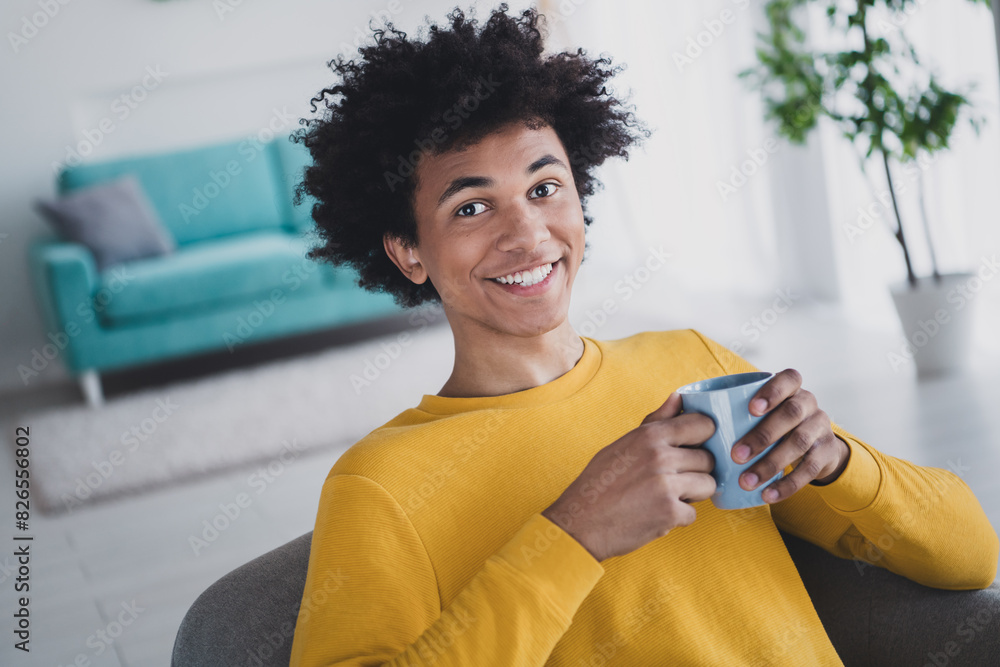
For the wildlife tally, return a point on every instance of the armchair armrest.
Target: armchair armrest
(877, 617)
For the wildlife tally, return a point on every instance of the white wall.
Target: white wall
(225, 74)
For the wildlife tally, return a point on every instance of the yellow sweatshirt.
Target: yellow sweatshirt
(429, 546)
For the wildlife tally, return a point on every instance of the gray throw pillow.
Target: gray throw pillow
(114, 219)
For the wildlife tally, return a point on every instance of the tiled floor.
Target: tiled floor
(136, 552)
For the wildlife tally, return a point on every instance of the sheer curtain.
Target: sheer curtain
(694, 188)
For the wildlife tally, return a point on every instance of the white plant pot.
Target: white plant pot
(937, 321)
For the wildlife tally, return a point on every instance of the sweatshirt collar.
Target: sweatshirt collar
(562, 387)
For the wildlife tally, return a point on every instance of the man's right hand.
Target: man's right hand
(639, 487)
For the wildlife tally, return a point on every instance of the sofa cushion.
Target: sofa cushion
(200, 193)
(114, 220)
(211, 274)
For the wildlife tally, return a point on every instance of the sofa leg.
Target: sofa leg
(90, 385)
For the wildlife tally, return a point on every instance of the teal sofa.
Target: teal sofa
(238, 276)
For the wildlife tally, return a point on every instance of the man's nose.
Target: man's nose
(523, 227)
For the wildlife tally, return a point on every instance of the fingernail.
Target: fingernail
(769, 495)
(742, 453)
(759, 405)
(750, 479)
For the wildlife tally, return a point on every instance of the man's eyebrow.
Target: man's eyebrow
(544, 161)
(464, 182)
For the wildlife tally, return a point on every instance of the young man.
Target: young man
(547, 505)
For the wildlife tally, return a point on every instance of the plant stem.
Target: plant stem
(871, 186)
(868, 85)
(927, 228)
(899, 221)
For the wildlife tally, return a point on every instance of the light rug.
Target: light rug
(156, 436)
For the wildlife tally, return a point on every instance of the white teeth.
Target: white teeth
(527, 278)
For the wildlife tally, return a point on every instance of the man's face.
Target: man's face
(492, 209)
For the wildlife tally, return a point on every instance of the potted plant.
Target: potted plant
(799, 85)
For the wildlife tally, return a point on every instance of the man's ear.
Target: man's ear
(406, 258)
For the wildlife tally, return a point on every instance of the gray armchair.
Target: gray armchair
(879, 618)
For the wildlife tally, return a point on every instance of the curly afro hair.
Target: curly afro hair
(408, 98)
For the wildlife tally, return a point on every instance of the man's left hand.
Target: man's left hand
(809, 441)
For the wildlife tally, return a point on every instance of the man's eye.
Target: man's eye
(546, 189)
(470, 209)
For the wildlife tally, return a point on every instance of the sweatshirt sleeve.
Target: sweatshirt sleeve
(371, 595)
(920, 522)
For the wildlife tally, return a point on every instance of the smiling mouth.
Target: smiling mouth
(527, 278)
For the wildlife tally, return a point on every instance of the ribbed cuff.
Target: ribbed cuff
(556, 564)
(858, 484)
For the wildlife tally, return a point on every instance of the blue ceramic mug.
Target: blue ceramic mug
(726, 399)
